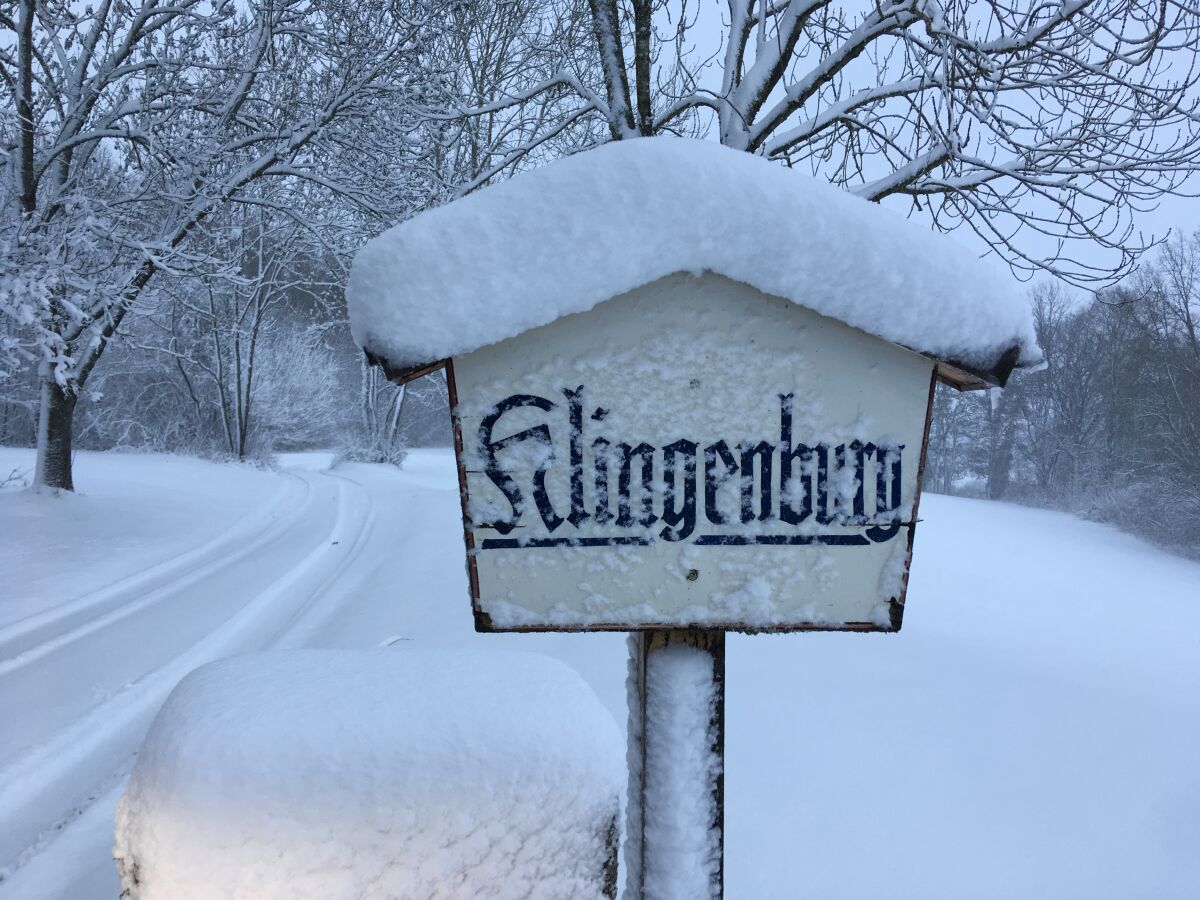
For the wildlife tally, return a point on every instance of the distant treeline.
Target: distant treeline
(1109, 428)
(243, 369)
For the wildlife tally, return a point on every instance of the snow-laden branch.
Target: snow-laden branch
(905, 175)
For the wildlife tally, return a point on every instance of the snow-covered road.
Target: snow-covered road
(1031, 733)
(84, 677)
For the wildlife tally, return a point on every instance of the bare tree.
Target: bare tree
(488, 49)
(1041, 126)
(1109, 427)
(496, 49)
(227, 327)
(1170, 305)
(135, 123)
(950, 439)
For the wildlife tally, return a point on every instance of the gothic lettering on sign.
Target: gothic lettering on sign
(820, 491)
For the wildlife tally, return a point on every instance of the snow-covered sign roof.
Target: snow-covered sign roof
(587, 228)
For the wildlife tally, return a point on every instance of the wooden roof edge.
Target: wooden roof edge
(403, 374)
(965, 377)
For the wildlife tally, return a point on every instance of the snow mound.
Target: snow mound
(581, 230)
(387, 773)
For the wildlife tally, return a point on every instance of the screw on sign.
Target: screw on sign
(662, 430)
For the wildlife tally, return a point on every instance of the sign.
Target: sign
(691, 453)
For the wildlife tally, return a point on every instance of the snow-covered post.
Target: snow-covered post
(674, 832)
(405, 772)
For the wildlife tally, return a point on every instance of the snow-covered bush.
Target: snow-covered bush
(372, 449)
(389, 773)
(1156, 508)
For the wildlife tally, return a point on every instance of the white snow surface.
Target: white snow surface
(133, 513)
(401, 772)
(562, 238)
(1031, 733)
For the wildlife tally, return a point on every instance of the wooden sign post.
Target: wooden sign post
(692, 457)
(659, 432)
(676, 702)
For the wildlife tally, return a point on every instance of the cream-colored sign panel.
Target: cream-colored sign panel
(691, 453)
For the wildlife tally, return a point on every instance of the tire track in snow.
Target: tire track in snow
(325, 604)
(69, 677)
(50, 784)
(403, 575)
(20, 639)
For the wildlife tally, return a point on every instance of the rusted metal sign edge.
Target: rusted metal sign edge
(461, 466)
(483, 625)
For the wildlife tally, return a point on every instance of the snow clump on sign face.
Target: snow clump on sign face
(391, 773)
(582, 230)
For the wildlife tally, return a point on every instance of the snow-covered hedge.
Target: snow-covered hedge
(393, 773)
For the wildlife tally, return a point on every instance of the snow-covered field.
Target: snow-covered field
(1031, 733)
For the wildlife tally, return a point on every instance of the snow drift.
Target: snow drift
(390, 773)
(581, 230)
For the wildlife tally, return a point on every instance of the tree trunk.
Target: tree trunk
(55, 420)
(1000, 467)
(1001, 440)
